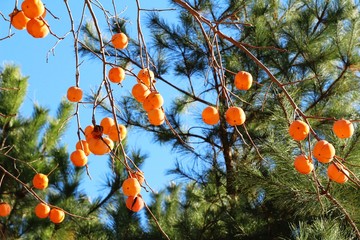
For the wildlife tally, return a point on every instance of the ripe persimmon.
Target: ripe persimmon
(323, 151)
(40, 181)
(56, 215)
(135, 203)
(100, 146)
(303, 165)
(243, 80)
(33, 8)
(210, 115)
(298, 130)
(146, 76)
(37, 28)
(42, 210)
(139, 175)
(140, 91)
(78, 158)
(119, 40)
(116, 75)
(343, 128)
(5, 209)
(88, 131)
(131, 187)
(152, 101)
(18, 19)
(74, 94)
(337, 173)
(235, 116)
(83, 145)
(114, 132)
(156, 116)
(106, 123)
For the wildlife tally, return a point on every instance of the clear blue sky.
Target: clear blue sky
(50, 79)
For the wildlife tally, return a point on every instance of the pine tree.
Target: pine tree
(241, 183)
(30, 145)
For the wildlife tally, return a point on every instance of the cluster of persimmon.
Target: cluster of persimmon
(131, 188)
(323, 151)
(234, 116)
(31, 16)
(56, 215)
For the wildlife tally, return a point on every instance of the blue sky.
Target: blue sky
(52, 72)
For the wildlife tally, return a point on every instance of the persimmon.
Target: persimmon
(78, 158)
(40, 181)
(74, 94)
(18, 19)
(323, 151)
(106, 123)
(140, 91)
(135, 203)
(131, 187)
(88, 132)
(56, 215)
(5, 209)
(210, 115)
(42, 210)
(139, 175)
(116, 74)
(299, 130)
(156, 116)
(235, 116)
(154, 100)
(303, 165)
(114, 132)
(337, 173)
(37, 28)
(33, 8)
(146, 76)
(343, 128)
(83, 145)
(100, 146)
(119, 40)
(243, 80)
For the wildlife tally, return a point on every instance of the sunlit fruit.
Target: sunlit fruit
(146, 76)
(243, 80)
(56, 215)
(37, 28)
(33, 8)
(42, 210)
(100, 146)
(303, 165)
(343, 128)
(18, 19)
(5, 209)
(337, 173)
(78, 158)
(323, 151)
(235, 116)
(140, 91)
(40, 181)
(115, 131)
(135, 203)
(119, 40)
(83, 145)
(116, 74)
(154, 100)
(131, 187)
(299, 130)
(106, 123)
(210, 115)
(139, 175)
(88, 131)
(74, 94)
(156, 116)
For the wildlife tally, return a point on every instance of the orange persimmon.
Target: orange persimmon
(243, 80)
(135, 203)
(119, 40)
(235, 116)
(140, 91)
(116, 75)
(323, 151)
(343, 128)
(18, 19)
(210, 115)
(298, 130)
(78, 158)
(37, 28)
(56, 215)
(5, 209)
(42, 210)
(131, 187)
(303, 165)
(40, 181)
(337, 173)
(74, 94)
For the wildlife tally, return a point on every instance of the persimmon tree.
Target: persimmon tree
(269, 157)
